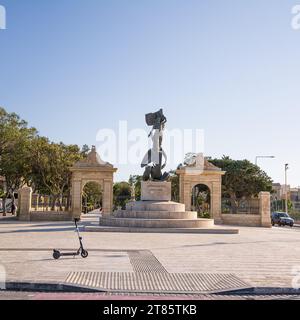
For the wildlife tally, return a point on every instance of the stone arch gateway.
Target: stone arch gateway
(210, 176)
(92, 169)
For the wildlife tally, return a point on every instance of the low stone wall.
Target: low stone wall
(249, 220)
(27, 213)
(261, 219)
(50, 216)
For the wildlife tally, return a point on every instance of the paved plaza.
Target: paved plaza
(259, 257)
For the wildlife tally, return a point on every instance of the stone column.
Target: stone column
(76, 199)
(265, 209)
(25, 195)
(180, 188)
(185, 191)
(107, 198)
(187, 195)
(216, 201)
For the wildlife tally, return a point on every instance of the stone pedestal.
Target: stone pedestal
(25, 203)
(265, 209)
(155, 191)
(156, 211)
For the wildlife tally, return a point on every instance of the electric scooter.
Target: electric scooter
(81, 251)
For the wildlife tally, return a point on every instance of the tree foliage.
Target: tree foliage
(91, 196)
(122, 194)
(135, 183)
(51, 163)
(26, 157)
(15, 137)
(174, 179)
(242, 179)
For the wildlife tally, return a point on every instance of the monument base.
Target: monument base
(156, 212)
(155, 191)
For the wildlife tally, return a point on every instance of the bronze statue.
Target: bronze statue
(152, 161)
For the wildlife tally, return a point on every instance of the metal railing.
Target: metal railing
(50, 203)
(241, 206)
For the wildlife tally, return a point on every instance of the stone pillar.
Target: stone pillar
(24, 202)
(107, 198)
(187, 195)
(180, 188)
(76, 199)
(265, 209)
(185, 192)
(216, 201)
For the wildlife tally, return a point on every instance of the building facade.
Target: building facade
(278, 197)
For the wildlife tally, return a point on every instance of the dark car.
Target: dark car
(282, 219)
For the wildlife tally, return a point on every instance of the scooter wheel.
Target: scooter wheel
(84, 254)
(56, 255)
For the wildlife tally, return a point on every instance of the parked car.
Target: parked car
(282, 219)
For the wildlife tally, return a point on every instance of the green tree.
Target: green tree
(242, 179)
(135, 183)
(50, 167)
(85, 150)
(174, 179)
(15, 140)
(201, 200)
(28, 158)
(122, 194)
(10, 126)
(91, 196)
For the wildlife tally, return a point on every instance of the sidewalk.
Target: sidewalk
(258, 257)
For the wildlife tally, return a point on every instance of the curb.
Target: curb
(62, 287)
(258, 291)
(47, 287)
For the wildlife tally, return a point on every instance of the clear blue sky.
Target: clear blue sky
(232, 68)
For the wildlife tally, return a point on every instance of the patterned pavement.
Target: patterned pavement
(257, 256)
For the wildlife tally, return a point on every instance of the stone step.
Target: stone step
(155, 206)
(156, 223)
(214, 230)
(155, 214)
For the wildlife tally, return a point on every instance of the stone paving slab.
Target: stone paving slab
(258, 256)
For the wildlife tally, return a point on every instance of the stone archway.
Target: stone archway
(92, 169)
(211, 176)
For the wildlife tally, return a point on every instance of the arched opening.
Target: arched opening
(91, 199)
(201, 200)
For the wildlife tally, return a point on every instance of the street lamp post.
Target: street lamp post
(286, 168)
(257, 157)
